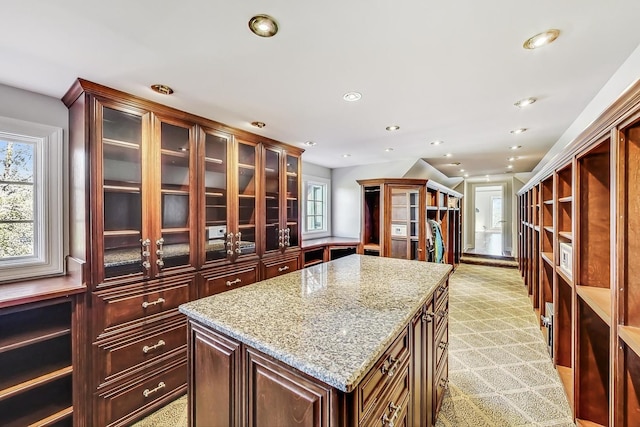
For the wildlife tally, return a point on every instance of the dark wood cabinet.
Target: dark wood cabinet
(397, 216)
(166, 207)
(232, 383)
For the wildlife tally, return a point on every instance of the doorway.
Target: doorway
(489, 220)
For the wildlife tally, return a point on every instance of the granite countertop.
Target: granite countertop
(331, 321)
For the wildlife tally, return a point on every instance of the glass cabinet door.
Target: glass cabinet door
(215, 192)
(274, 234)
(121, 135)
(405, 229)
(291, 234)
(244, 240)
(172, 246)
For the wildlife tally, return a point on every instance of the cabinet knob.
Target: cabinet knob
(427, 316)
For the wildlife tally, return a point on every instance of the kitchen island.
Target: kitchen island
(357, 341)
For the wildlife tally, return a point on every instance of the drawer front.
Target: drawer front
(276, 269)
(441, 294)
(122, 405)
(225, 281)
(392, 409)
(117, 307)
(131, 353)
(442, 316)
(441, 348)
(379, 379)
(440, 385)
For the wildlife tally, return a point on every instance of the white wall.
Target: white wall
(345, 193)
(311, 169)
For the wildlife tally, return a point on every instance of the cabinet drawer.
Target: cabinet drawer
(131, 303)
(441, 294)
(441, 347)
(379, 379)
(440, 385)
(122, 405)
(214, 283)
(279, 268)
(393, 406)
(116, 357)
(442, 316)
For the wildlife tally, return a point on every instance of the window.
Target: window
(31, 232)
(496, 211)
(316, 213)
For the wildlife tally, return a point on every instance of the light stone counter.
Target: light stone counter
(331, 321)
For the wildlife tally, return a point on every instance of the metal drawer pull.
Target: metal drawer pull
(149, 304)
(285, 268)
(147, 392)
(146, 349)
(395, 412)
(443, 345)
(390, 366)
(233, 282)
(428, 316)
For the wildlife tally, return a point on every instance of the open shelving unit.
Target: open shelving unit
(589, 247)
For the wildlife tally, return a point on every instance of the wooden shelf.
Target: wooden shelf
(40, 375)
(213, 160)
(566, 377)
(371, 247)
(313, 262)
(584, 423)
(566, 234)
(121, 189)
(631, 337)
(48, 415)
(549, 229)
(567, 199)
(599, 299)
(28, 337)
(564, 276)
(536, 228)
(108, 233)
(548, 202)
(123, 144)
(548, 257)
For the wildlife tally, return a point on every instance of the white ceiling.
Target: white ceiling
(448, 70)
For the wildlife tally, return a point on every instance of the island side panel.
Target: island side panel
(214, 379)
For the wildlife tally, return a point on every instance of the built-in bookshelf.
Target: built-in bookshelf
(587, 203)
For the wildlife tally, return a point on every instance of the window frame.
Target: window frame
(49, 178)
(309, 180)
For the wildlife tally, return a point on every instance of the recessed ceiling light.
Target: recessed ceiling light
(512, 158)
(486, 176)
(466, 175)
(541, 39)
(448, 155)
(524, 102)
(258, 124)
(392, 128)
(263, 26)
(352, 96)
(163, 89)
(309, 143)
(388, 149)
(437, 142)
(518, 131)
(455, 164)
(515, 147)
(509, 166)
(461, 170)
(346, 155)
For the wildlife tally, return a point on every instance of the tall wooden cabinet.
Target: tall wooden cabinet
(166, 207)
(396, 214)
(587, 254)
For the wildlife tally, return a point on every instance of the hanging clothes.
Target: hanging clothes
(430, 244)
(439, 247)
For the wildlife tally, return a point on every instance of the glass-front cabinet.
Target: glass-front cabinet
(147, 202)
(281, 183)
(229, 197)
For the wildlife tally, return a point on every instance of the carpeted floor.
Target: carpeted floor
(500, 373)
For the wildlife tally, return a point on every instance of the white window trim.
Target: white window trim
(49, 201)
(316, 234)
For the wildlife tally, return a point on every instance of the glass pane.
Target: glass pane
(16, 161)
(16, 239)
(272, 188)
(122, 200)
(311, 207)
(246, 199)
(175, 191)
(292, 176)
(215, 177)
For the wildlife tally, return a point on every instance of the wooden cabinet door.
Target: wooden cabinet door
(214, 379)
(420, 409)
(271, 389)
